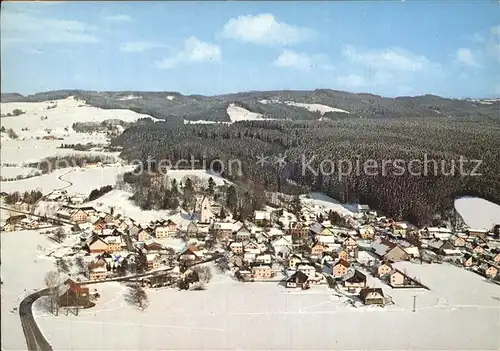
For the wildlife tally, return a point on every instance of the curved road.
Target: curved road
(34, 337)
(61, 188)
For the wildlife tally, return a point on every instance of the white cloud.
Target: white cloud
(388, 59)
(391, 69)
(194, 51)
(26, 27)
(466, 57)
(265, 29)
(140, 46)
(495, 30)
(478, 38)
(352, 81)
(118, 18)
(496, 89)
(302, 61)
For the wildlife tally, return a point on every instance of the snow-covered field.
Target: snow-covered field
(73, 180)
(257, 316)
(12, 172)
(23, 267)
(315, 107)
(202, 121)
(63, 115)
(477, 212)
(120, 201)
(311, 107)
(31, 150)
(318, 200)
(201, 174)
(237, 113)
(130, 97)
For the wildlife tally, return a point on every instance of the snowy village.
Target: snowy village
(269, 176)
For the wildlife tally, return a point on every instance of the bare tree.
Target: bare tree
(204, 273)
(137, 296)
(53, 281)
(222, 265)
(62, 265)
(80, 263)
(60, 234)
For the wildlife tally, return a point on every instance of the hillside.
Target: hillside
(416, 194)
(292, 105)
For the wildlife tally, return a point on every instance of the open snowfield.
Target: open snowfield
(237, 113)
(322, 109)
(258, 316)
(478, 213)
(318, 200)
(23, 267)
(120, 201)
(31, 150)
(201, 174)
(64, 114)
(12, 172)
(202, 121)
(315, 107)
(73, 180)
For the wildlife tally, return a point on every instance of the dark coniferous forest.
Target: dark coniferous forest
(419, 198)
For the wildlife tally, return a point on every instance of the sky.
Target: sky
(389, 48)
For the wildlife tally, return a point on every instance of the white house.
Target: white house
(262, 215)
(308, 270)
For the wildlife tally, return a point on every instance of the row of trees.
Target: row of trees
(29, 197)
(52, 163)
(97, 193)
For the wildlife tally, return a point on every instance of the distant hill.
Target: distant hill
(275, 104)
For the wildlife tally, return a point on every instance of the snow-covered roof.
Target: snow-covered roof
(380, 248)
(438, 230)
(274, 231)
(325, 239)
(113, 239)
(223, 226)
(261, 215)
(475, 230)
(151, 257)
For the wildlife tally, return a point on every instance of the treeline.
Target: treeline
(106, 125)
(97, 193)
(52, 163)
(89, 146)
(77, 147)
(29, 197)
(16, 112)
(421, 199)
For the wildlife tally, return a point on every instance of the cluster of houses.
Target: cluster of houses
(474, 249)
(298, 251)
(62, 196)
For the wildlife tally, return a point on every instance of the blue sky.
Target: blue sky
(387, 48)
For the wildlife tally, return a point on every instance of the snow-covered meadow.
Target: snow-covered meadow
(19, 152)
(478, 213)
(322, 109)
(201, 174)
(237, 113)
(73, 180)
(58, 115)
(322, 201)
(23, 269)
(12, 172)
(257, 316)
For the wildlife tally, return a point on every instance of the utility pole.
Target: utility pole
(414, 302)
